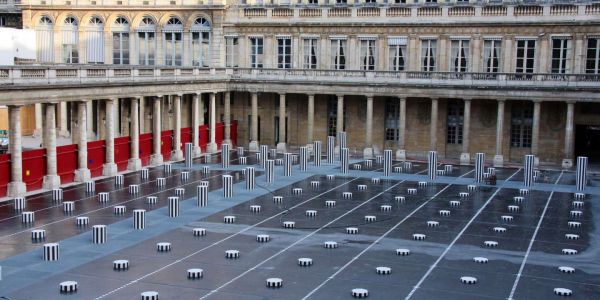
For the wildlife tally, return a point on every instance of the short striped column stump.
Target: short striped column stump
(490, 244)
(277, 199)
(567, 251)
(119, 210)
(161, 181)
(90, 186)
(576, 213)
(185, 175)
(134, 188)
(27, 217)
(360, 293)
(305, 262)
(448, 168)
(471, 187)
(347, 195)
(523, 192)
(173, 207)
(179, 192)
(38, 234)
(518, 199)
(463, 194)
(243, 160)
(397, 169)
(278, 162)
(232, 254)
(368, 163)
(163, 247)
(144, 173)
(351, 230)
(577, 204)
(330, 245)
(151, 199)
(507, 218)
(263, 238)
(51, 251)
(199, 231)
(314, 184)
(400, 199)
(356, 167)
(68, 206)
(119, 179)
(568, 270)
(402, 252)
(579, 196)
(376, 180)
(205, 169)
(574, 224)
(228, 219)
(274, 282)
(433, 223)
(168, 168)
(422, 184)
(255, 208)
(468, 280)
(441, 172)
(480, 260)
(411, 191)
(329, 203)
(563, 292)
(19, 203)
(370, 218)
(362, 187)
(330, 177)
(150, 295)
(499, 229)
(383, 270)
(444, 212)
(419, 237)
(139, 219)
(195, 273)
(386, 208)
(68, 286)
(297, 191)
(289, 224)
(99, 235)
(120, 265)
(513, 208)
(103, 197)
(311, 213)
(57, 194)
(82, 221)
(571, 236)
(379, 159)
(454, 203)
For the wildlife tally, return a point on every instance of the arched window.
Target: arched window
(173, 36)
(146, 33)
(70, 40)
(95, 41)
(120, 38)
(201, 41)
(44, 36)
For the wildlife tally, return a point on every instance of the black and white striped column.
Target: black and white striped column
(202, 195)
(250, 178)
(528, 170)
(432, 165)
(264, 155)
(270, 170)
(99, 234)
(225, 156)
(303, 158)
(343, 141)
(51, 252)
(227, 186)
(145, 173)
(317, 153)
(189, 152)
(344, 159)
(387, 162)
(90, 186)
(139, 219)
(287, 164)
(173, 206)
(19, 203)
(581, 175)
(240, 151)
(57, 194)
(330, 149)
(479, 166)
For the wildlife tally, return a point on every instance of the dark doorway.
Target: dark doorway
(587, 142)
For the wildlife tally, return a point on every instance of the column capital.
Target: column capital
(536, 101)
(501, 100)
(571, 101)
(369, 96)
(178, 95)
(340, 95)
(467, 99)
(158, 96)
(310, 94)
(14, 106)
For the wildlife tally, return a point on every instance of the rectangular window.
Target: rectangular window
(256, 52)
(492, 52)
(521, 122)
(313, 1)
(311, 50)
(147, 47)
(367, 54)
(397, 53)
(120, 48)
(201, 49)
(561, 55)
(2, 21)
(428, 51)
(341, 1)
(284, 53)
(592, 65)
(173, 48)
(338, 54)
(70, 54)
(459, 55)
(231, 52)
(525, 56)
(391, 120)
(454, 122)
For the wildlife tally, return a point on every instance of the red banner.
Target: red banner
(219, 132)
(145, 148)
(96, 157)
(122, 151)
(166, 144)
(186, 137)
(66, 156)
(4, 173)
(34, 168)
(233, 132)
(203, 131)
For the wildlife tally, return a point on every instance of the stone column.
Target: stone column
(110, 167)
(465, 157)
(64, 131)
(196, 102)
(134, 163)
(433, 128)
(16, 186)
(254, 123)
(281, 145)
(569, 123)
(212, 146)
(89, 109)
(51, 180)
(177, 154)
(339, 122)
(227, 118)
(156, 158)
(499, 158)
(82, 174)
(142, 114)
(368, 151)
(311, 121)
(535, 131)
(401, 151)
(38, 120)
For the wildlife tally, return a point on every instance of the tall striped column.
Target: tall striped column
(264, 155)
(581, 176)
(99, 234)
(344, 158)
(287, 164)
(330, 149)
(432, 165)
(225, 156)
(250, 178)
(387, 162)
(189, 152)
(139, 219)
(479, 165)
(227, 186)
(303, 158)
(317, 153)
(269, 170)
(528, 170)
(173, 206)
(202, 195)
(343, 141)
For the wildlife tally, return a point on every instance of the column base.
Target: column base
(63, 133)
(134, 164)
(281, 147)
(498, 161)
(228, 142)
(465, 159)
(368, 153)
(82, 175)
(16, 189)
(51, 182)
(536, 161)
(253, 146)
(400, 154)
(176, 155)
(109, 169)
(156, 159)
(567, 163)
(37, 132)
(196, 151)
(212, 148)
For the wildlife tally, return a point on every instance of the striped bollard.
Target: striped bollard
(144, 173)
(250, 178)
(185, 175)
(189, 152)
(344, 158)
(134, 188)
(205, 169)
(387, 162)
(273, 153)
(581, 174)
(99, 234)
(264, 154)
(303, 158)
(68, 206)
(139, 219)
(432, 165)
(19, 203)
(173, 206)
(287, 164)
(27, 217)
(240, 151)
(330, 149)
(202, 195)
(90, 186)
(270, 170)
(528, 170)
(57, 194)
(479, 166)
(227, 186)
(225, 156)
(243, 160)
(119, 179)
(167, 168)
(343, 141)
(51, 252)
(103, 197)
(204, 183)
(317, 153)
